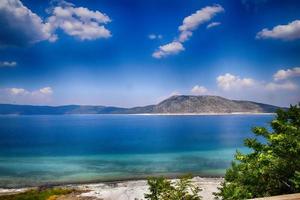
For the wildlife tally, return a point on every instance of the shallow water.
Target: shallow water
(82, 148)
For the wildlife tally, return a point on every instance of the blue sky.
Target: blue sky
(138, 52)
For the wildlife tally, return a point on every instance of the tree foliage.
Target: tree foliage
(273, 165)
(163, 189)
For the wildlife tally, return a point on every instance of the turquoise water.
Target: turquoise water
(37, 150)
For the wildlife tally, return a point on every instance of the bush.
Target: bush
(163, 189)
(35, 194)
(272, 167)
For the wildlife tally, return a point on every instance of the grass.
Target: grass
(38, 194)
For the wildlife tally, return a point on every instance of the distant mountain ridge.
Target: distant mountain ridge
(178, 104)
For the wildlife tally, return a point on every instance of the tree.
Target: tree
(163, 189)
(273, 165)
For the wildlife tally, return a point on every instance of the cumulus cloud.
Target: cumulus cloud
(22, 91)
(17, 91)
(46, 90)
(290, 31)
(189, 24)
(229, 81)
(154, 36)
(282, 80)
(213, 24)
(281, 92)
(24, 96)
(286, 74)
(168, 49)
(281, 86)
(8, 64)
(277, 92)
(174, 93)
(193, 21)
(19, 25)
(198, 90)
(79, 22)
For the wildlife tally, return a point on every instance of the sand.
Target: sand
(125, 190)
(135, 190)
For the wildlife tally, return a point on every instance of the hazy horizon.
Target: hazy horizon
(57, 105)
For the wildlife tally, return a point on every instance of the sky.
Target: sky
(138, 52)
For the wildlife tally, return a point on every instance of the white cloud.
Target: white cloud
(17, 91)
(168, 49)
(281, 86)
(283, 93)
(79, 22)
(198, 90)
(290, 31)
(286, 74)
(22, 91)
(19, 25)
(229, 81)
(8, 64)
(189, 24)
(213, 24)
(24, 96)
(193, 21)
(185, 35)
(201, 16)
(46, 90)
(174, 93)
(154, 36)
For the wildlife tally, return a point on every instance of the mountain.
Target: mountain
(209, 104)
(175, 104)
(56, 110)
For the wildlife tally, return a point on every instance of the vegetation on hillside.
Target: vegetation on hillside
(38, 194)
(273, 165)
(163, 189)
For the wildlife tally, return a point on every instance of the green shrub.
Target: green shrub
(36, 194)
(163, 189)
(272, 167)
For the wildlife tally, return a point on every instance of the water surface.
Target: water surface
(38, 150)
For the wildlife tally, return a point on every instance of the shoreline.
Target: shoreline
(125, 189)
(149, 114)
(108, 181)
(182, 114)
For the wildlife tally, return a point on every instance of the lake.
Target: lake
(54, 149)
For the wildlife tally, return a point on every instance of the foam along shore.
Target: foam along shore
(127, 190)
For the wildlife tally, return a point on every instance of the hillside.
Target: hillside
(174, 104)
(209, 104)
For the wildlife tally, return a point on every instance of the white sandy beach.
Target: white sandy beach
(129, 190)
